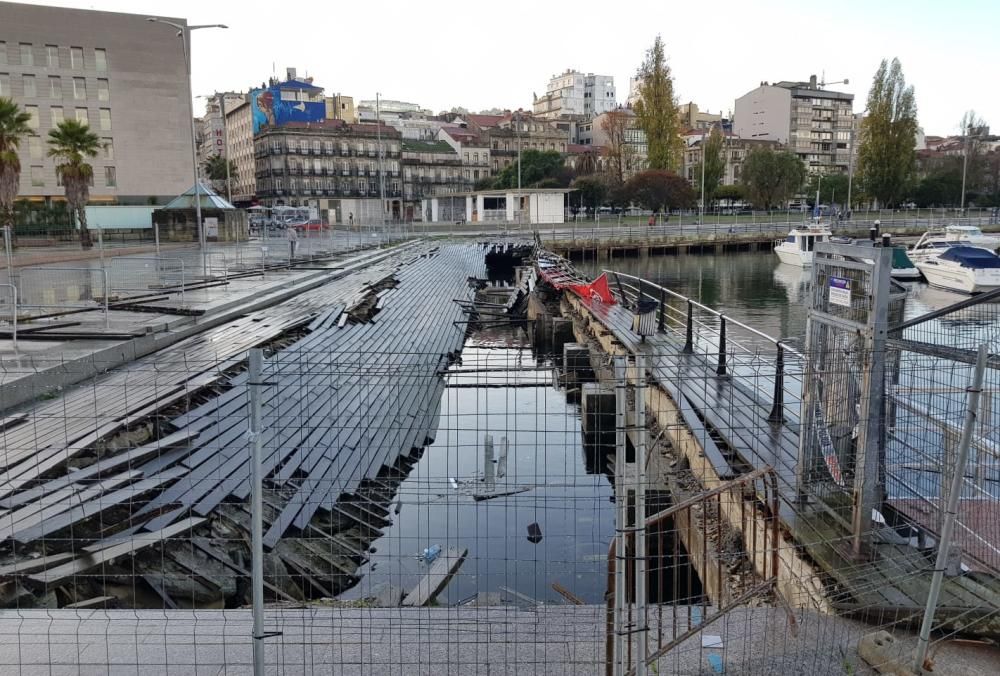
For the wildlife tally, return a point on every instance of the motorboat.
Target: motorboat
(966, 269)
(797, 248)
(794, 280)
(972, 235)
(903, 269)
(933, 242)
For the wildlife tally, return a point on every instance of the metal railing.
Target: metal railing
(768, 367)
(64, 290)
(144, 274)
(8, 310)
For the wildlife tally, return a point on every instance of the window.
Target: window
(76, 58)
(80, 88)
(4, 84)
(27, 57)
(55, 87)
(33, 111)
(3, 52)
(52, 56)
(101, 60)
(35, 148)
(82, 116)
(475, 157)
(109, 149)
(110, 180)
(105, 119)
(103, 92)
(37, 176)
(30, 90)
(56, 115)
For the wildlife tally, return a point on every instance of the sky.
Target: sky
(485, 55)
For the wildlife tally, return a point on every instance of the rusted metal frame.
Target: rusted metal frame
(706, 621)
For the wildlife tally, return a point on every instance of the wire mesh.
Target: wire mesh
(445, 487)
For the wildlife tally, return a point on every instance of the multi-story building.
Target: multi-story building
(734, 152)
(473, 151)
(618, 127)
(430, 168)
(575, 93)
(331, 166)
(239, 131)
(122, 75)
(211, 126)
(385, 109)
(812, 122)
(691, 117)
(521, 131)
(341, 107)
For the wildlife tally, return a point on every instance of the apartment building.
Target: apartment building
(813, 122)
(576, 93)
(239, 130)
(734, 152)
(122, 75)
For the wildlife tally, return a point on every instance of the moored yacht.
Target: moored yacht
(965, 269)
(797, 248)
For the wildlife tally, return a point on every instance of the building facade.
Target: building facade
(123, 76)
(575, 93)
(212, 126)
(691, 117)
(734, 152)
(516, 132)
(340, 107)
(331, 166)
(618, 128)
(239, 130)
(472, 150)
(812, 122)
(430, 169)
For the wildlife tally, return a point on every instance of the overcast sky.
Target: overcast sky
(484, 55)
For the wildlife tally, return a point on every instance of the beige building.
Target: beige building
(122, 75)
(813, 122)
(734, 151)
(597, 134)
(340, 107)
(239, 130)
(522, 131)
(473, 152)
(693, 118)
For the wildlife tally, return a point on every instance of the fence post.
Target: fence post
(621, 516)
(105, 292)
(256, 507)
(9, 253)
(944, 544)
(778, 407)
(642, 646)
(689, 340)
(13, 314)
(621, 289)
(663, 308)
(721, 370)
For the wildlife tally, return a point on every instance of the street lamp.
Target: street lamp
(183, 32)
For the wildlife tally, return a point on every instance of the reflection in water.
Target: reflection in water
(572, 508)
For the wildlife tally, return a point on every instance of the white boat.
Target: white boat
(797, 248)
(972, 235)
(965, 269)
(933, 242)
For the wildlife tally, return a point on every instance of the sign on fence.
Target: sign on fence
(840, 291)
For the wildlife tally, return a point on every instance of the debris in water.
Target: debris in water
(534, 533)
(431, 553)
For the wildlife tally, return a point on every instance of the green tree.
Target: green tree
(657, 189)
(656, 110)
(940, 188)
(732, 193)
(13, 127)
(215, 169)
(588, 162)
(715, 165)
(72, 142)
(832, 189)
(887, 153)
(591, 190)
(772, 177)
(536, 165)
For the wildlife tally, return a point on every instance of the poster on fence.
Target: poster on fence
(212, 227)
(840, 291)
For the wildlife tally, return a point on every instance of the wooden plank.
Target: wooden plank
(437, 578)
(86, 562)
(30, 565)
(96, 602)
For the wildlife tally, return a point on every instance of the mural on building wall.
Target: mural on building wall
(268, 108)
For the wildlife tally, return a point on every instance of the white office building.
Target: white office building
(575, 93)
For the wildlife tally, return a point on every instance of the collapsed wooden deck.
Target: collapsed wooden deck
(106, 479)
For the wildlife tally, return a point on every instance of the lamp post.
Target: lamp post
(184, 32)
(381, 170)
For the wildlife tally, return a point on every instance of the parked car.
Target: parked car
(311, 225)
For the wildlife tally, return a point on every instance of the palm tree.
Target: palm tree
(13, 127)
(215, 169)
(73, 142)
